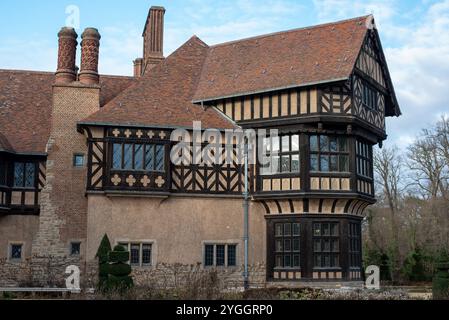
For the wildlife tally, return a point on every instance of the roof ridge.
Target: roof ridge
(26, 71)
(321, 25)
(52, 73)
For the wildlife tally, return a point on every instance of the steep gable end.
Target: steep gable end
(371, 62)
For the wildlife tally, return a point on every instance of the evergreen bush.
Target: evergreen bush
(103, 259)
(440, 283)
(119, 271)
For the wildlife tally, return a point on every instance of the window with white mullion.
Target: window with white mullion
(281, 155)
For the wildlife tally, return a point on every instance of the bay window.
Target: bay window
(328, 154)
(24, 175)
(281, 155)
(364, 159)
(326, 245)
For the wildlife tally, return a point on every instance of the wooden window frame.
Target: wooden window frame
(284, 253)
(282, 153)
(328, 153)
(331, 253)
(144, 145)
(354, 245)
(24, 174)
(365, 160)
(369, 97)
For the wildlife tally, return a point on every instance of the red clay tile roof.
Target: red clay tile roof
(5, 145)
(25, 106)
(162, 97)
(286, 59)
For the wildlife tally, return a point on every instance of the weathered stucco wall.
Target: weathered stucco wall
(177, 226)
(17, 229)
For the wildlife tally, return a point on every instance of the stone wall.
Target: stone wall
(63, 216)
(177, 275)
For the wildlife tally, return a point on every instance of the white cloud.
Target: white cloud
(420, 71)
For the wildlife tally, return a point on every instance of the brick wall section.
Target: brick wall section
(63, 201)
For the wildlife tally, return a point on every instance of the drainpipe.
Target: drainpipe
(246, 219)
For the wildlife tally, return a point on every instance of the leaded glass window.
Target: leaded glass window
(16, 252)
(140, 254)
(364, 159)
(24, 175)
(287, 245)
(326, 245)
(328, 154)
(220, 255)
(354, 245)
(282, 155)
(138, 157)
(159, 163)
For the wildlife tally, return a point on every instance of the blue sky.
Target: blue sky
(414, 34)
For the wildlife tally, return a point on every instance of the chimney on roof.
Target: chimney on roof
(138, 64)
(90, 49)
(66, 71)
(153, 39)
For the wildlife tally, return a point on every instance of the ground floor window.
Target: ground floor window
(314, 247)
(354, 245)
(139, 253)
(326, 244)
(287, 245)
(220, 255)
(15, 252)
(75, 248)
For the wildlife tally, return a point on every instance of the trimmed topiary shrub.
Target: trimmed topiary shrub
(119, 271)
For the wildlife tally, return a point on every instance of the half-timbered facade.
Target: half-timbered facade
(107, 166)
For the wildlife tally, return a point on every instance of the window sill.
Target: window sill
(15, 261)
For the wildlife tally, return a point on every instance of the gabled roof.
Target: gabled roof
(169, 95)
(163, 96)
(298, 57)
(25, 106)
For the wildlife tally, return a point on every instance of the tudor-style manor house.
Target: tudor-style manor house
(84, 154)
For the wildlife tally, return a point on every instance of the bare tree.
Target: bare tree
(388, 169)
(428, 167)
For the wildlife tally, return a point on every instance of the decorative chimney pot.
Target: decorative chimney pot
(90, 49)
(66, 71)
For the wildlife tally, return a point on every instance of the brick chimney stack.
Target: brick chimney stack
(138, 65)
(90, 49)
(66, 71)
(153, 38)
